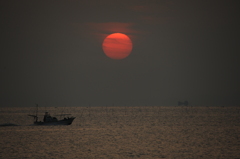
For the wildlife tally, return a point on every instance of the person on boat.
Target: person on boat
(44, 118)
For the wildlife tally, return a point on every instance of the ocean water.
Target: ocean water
(124, 132)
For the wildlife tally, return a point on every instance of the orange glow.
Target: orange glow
(117, 46)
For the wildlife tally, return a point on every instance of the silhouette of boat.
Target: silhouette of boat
(49, 120)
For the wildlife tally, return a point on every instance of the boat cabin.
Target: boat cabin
(47, 118)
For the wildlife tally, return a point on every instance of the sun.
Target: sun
(117, 46)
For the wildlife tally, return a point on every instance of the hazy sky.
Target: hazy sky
(51, 52)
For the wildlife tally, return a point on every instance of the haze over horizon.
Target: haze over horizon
(51, 53)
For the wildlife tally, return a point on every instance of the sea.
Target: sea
(148, 132)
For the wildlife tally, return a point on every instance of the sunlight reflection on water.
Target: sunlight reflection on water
(124, 132)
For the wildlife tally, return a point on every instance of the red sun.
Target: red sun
(117, 46)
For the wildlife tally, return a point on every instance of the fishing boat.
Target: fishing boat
(49, 120)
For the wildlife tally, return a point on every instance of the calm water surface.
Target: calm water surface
(124, 132)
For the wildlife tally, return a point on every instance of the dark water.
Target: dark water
(124, 132)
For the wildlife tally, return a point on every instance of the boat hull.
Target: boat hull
(59, 122)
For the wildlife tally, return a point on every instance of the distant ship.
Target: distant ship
(49, 120)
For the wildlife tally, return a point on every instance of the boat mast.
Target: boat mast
(36, 112)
